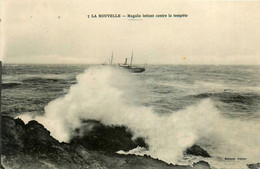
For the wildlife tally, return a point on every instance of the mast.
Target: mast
(111, 60)
(131, 59)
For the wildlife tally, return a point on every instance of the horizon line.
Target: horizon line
(163, 64)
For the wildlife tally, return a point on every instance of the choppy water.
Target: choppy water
(173, 107)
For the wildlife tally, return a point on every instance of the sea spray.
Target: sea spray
(104, 94)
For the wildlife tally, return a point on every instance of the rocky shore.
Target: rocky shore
(31, 146)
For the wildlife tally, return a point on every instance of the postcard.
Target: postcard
(130, 84)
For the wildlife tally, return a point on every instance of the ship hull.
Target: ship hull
(134, 69)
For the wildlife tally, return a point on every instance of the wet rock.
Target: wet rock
(11, 135)
(1, 167)
(197, 151)
(201, 165)
(29, 138)
(30, 146)
(38, 139)
(254, 166)
(93, 135)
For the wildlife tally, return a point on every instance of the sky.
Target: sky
(60, 32)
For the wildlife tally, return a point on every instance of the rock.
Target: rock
(11, 135)
(93, 135)
(1, 167)
(254, 166)
(197, 151)
(38, 139)
(201, 165)
(30, 146)
(29, 138)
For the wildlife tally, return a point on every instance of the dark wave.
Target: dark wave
(245, 103)
(10, 85)
(232, 97)
(41, 80)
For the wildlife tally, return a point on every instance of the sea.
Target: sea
(171, 106)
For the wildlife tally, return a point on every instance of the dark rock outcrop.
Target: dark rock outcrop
(30, 146)
(1, 167)
(197, 151)
(93, 135)
(254, 166)
(29, 138)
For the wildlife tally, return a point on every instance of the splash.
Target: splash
(103, 94)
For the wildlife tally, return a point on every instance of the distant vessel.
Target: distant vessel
(130, 67)
(110, 60)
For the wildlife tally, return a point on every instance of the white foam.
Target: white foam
(102, 94)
